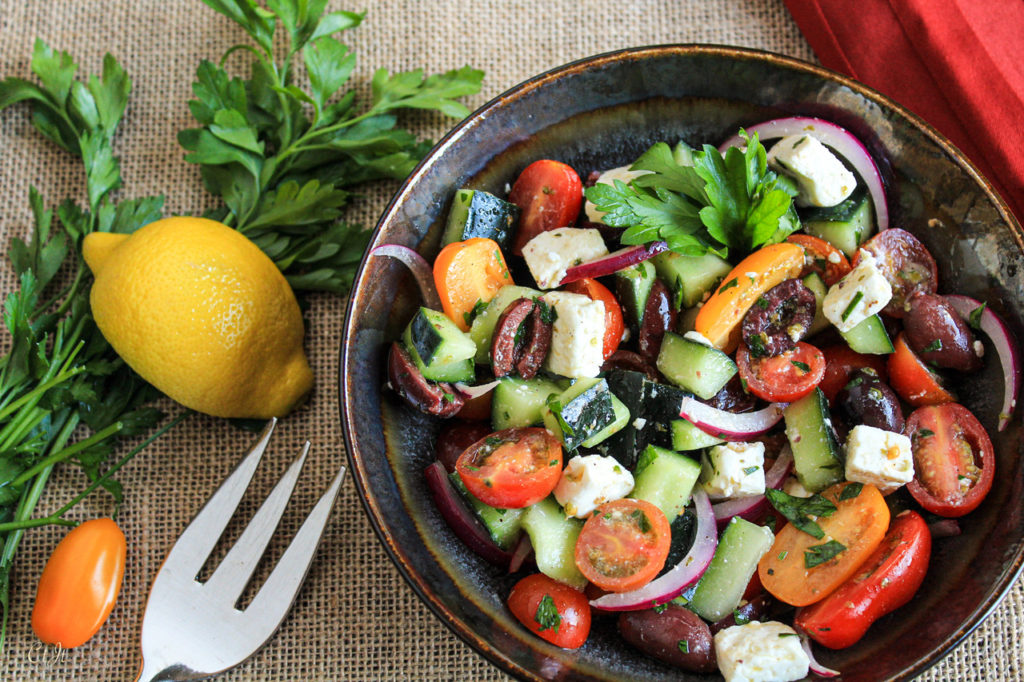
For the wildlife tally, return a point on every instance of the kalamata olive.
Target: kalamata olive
(732, 397)
(634, 362)
(438, 399)
(779, 318)
(522, 338)
(937, 333)
(455, 438)
(755, 609)
(866, 399)
(537, 345)
(659, 317)
(905, 263)
(676, 636)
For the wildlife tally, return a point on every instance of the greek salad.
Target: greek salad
(711, 393)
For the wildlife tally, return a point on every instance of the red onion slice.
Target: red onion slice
(471, 392)
(730, 425)
(682, 575)
(816, 668)
(418, 266)
(461, 518)
(613, 262)
(751, 507)
(1005, 346)
(839, 139)
(522, 552)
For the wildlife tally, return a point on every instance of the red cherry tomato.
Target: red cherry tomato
(79, 586)
(551, 610)
(886, 581)
(822, 258)
(476, 409)
(455, 437)
(912, 379)
(840, 362)
(550, 194)
(784, 377)
(512, 468)
(954, 461)
(623, 545)
(613, 324)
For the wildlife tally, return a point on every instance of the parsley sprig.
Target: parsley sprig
(720, 202)
(284, 158)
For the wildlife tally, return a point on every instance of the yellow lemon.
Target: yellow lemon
(202, 314)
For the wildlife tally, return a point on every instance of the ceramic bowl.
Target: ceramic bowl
(603, 112)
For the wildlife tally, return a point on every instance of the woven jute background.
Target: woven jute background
(355, 619)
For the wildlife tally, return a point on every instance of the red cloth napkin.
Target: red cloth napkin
(958, 64)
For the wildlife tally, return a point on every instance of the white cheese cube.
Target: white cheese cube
(793, 487)
(577, 335)
(609, 177)
(588, 482)
(821, 177)
(760, 652)
(857, 296)
(733, 470)
(882, 458)
(697, 337)
(551, 253)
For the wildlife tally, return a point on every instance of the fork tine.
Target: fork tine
(200, 537)
(229, 580)
(276, 595)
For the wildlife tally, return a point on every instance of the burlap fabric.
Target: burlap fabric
(355, 619)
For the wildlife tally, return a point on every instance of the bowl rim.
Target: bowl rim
(358, 473)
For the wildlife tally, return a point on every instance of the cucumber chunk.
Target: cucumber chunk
(721, 587)
(869, 337)
(665, 479)
(686, 436)
(633, 287)
(816, 284)
(701, 369)
(520, 402)
(585, 414)
(476, 213)
(845, 226)
(810, 434)
(481, 330)
(504, 525)
(433, 334)
(553, 536)
(690, 277)
(652, 407)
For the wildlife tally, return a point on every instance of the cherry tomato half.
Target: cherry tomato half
(623, 545)
(550, 194)
(912, 379)
(613, 324)
(954, 461)
(79, 586)
(512, 468)
(551, 610)
(840, 362)
(784, 377)
(821, 257)
(885, 582)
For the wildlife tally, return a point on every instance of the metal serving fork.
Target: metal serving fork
(192, 630)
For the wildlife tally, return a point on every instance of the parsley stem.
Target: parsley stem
(67, 452)
(35, 394)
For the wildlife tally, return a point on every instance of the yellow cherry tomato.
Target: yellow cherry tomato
(79, 586)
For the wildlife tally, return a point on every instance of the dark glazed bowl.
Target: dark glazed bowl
(602, 112)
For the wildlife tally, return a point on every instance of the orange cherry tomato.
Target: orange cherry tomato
(79, 586)
(800, 570)
(623, 545)
(469, 273)
(912, 379)
(550, 194)
(551, 610)
(613, 324)
(512, 468)
(785, 377)
(821, 257)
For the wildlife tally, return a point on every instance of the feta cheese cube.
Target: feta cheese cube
(590, 481)
(857, 296)
(733, 470)
(760, 652)
(793, 487)
(609, 177)
(551, 253)
(697, 337)
(879, 457)
(577, 335)
(822, 178)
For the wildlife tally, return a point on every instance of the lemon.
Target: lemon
(202, 314)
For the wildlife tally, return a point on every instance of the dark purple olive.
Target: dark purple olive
(866, 399)
(937, 333)
(755, 609)
(634, 362)
(732, 397)
(438, 399)
(455, 438)
(659, 317)
(522, 339)
(779, 318)
(676, 636)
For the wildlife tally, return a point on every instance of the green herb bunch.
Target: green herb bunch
(285, 159)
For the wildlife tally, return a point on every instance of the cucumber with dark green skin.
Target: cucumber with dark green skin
(722, 586)
(694, 366)
(665, 479)
(815, 450)
(846, 225)
(632, 288)
(476, 213)
(504, 525)
(553, 536)
(585, 414)
(520, 402)
(448, 349)
(652, 407)
(690, 277)
(869, 336)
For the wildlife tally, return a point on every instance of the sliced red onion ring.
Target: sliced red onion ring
(682, 575)
(730, 425)
(751, 507)
(839, 139)
(461, 518)
(522, 552)
(946, 528)
(816, 668)
(614, 261)
(471, 392)
(1005, 346)
(420, 268)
